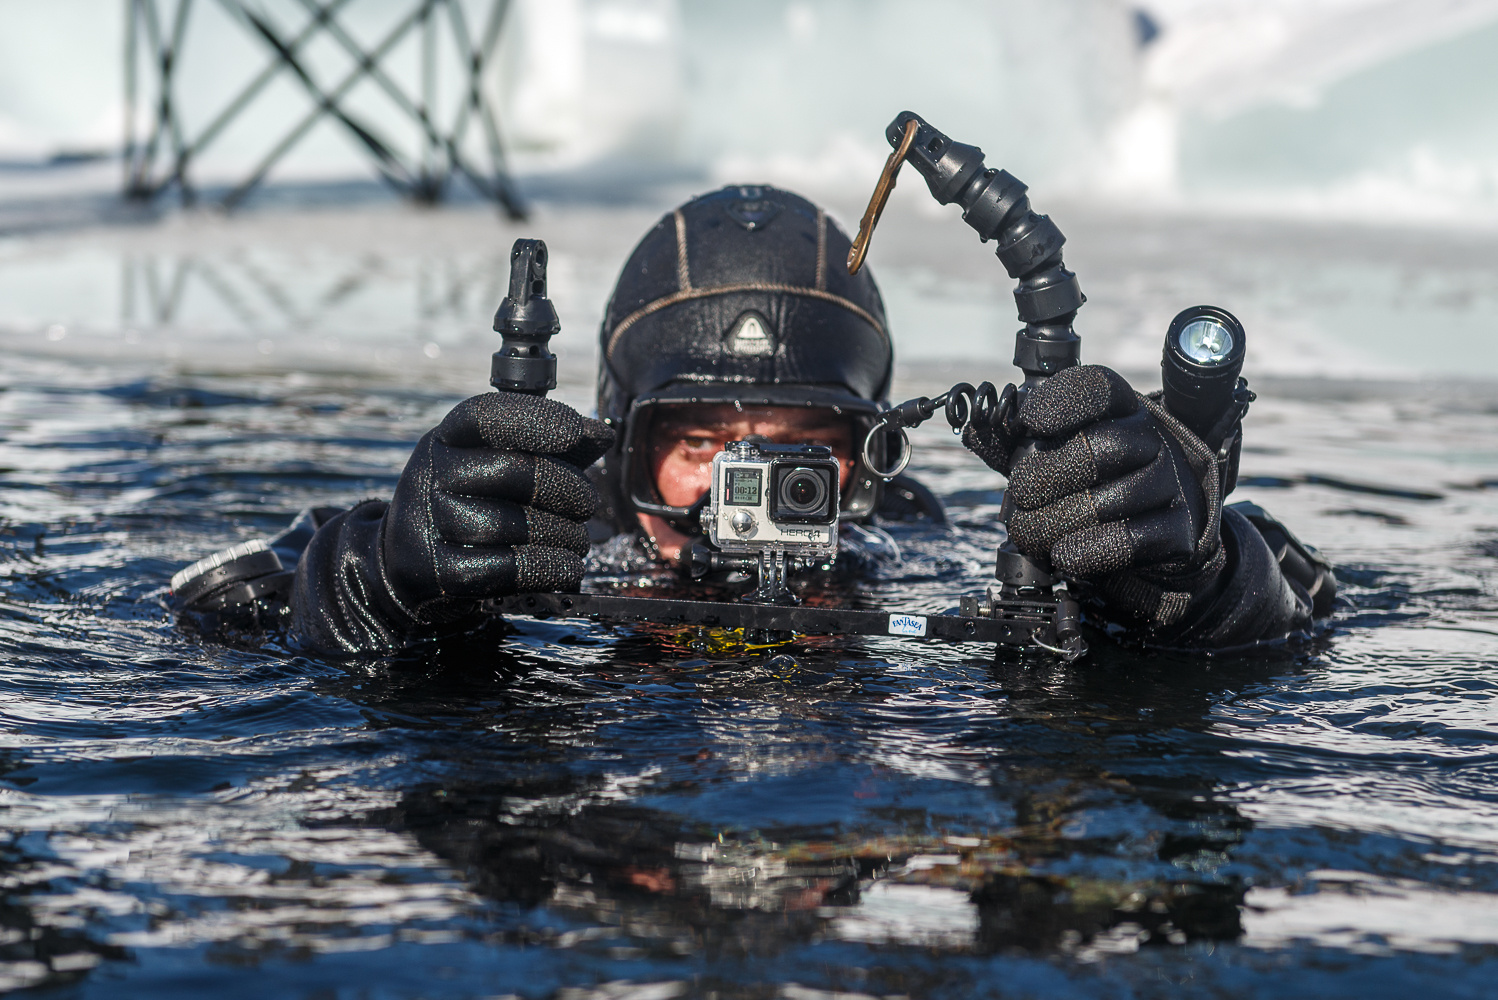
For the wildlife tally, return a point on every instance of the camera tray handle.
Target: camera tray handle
(526, 321)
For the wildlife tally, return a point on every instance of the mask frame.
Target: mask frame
(861, 496)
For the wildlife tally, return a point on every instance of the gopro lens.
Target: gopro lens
(803, 495)
(802, 491)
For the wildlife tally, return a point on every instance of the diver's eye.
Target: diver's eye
(697, 443)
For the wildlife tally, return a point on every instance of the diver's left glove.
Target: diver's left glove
(1121, 496)
(493, 501)
(1118, 492)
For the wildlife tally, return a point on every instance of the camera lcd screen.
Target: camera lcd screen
(744, 487)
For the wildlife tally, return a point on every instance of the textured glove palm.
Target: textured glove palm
(1116, 491)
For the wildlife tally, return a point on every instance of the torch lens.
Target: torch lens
(1206, 342)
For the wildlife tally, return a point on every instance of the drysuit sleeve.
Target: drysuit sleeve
(1271, 586)
(1308, 572)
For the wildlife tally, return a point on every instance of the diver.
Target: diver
(735, 317)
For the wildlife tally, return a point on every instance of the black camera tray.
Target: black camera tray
(1013, 623)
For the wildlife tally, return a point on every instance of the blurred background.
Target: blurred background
(1326, 168)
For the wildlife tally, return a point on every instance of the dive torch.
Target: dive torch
(1201, 371)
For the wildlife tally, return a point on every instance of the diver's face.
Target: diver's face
(684, 439)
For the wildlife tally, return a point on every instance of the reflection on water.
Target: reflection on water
(268, 293)
(349, 290)
(548, 807)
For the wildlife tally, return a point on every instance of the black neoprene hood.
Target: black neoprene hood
(742, 289)
(739, 296)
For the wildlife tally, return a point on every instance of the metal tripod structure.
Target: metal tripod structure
(162, 157)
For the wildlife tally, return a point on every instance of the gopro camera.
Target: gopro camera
(774, 498)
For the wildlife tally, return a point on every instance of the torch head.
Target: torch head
(1202, 361)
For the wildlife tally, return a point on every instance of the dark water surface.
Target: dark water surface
(564, 810)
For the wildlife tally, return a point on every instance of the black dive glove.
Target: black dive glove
(1117, 492)
(493, 501)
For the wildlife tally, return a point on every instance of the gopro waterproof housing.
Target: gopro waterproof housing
(780, 498)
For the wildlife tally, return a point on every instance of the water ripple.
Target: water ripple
(552, 806)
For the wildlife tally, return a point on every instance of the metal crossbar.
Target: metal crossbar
(162, 158)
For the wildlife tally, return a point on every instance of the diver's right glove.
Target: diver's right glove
(493, 501)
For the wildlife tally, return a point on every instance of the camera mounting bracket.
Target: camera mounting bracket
(772, 589)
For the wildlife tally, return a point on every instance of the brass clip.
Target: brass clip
(886, 184)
